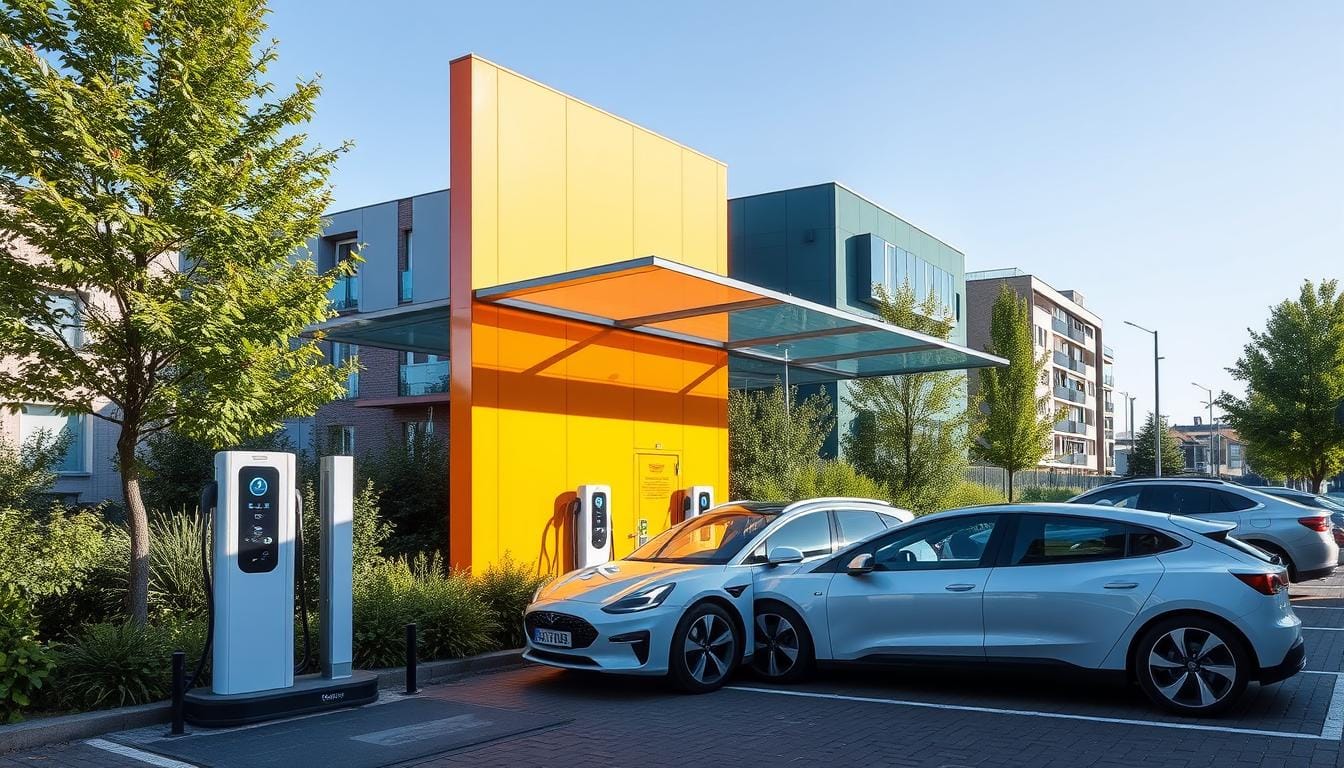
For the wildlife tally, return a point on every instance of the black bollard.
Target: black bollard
(411, 686)
(179, 691)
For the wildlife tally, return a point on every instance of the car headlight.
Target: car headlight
(641, 601)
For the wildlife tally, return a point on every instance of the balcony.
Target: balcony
(1077, 334)
(344, 294)
(1071, 426)
(1110, 406)
(1061, 359)
(423, 378)
(1060, 326)
(1077, 366)
(1108, 379)
(1071, 394)
(1107, 352)
(1072, 458)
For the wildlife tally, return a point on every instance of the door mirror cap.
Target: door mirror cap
(782, 555)
(860, 565)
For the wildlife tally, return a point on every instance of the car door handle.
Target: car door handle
(959, 587)
(1122, 585)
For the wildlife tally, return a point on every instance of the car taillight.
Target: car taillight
(1265, 583)
(1321, 523)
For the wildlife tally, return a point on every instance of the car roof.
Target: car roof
(780, 507)
(1135, 516)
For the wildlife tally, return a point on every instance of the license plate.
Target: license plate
(552, 637)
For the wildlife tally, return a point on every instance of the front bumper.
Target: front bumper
(1293, 662)
(630, 643)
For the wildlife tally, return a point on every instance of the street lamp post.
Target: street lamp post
(1157, 403)
(1214, 458)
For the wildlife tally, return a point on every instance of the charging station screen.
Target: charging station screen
(599, 519)
(703, 501)
(258, 518)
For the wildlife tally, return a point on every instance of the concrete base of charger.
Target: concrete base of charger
(310, 693)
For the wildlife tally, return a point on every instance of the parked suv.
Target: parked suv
(1332, 506)
(1299, 535)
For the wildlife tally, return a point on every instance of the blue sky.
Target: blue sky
(1179, 163)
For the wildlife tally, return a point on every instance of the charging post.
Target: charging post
(257, 523)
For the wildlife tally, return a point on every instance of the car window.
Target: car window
(1226, 501)
(1125, 496)
(1047, 539)
(957, 542)
(857, 524)
(809, 534)
(1178, 500)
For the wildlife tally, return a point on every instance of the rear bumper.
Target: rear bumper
(1318, 573)
(1292, 663)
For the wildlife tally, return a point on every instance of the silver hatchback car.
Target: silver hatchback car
(1300, 536)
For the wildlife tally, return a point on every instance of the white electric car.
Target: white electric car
(689, 588)
(1190, 613)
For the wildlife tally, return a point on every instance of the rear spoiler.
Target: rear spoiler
(1215, 529)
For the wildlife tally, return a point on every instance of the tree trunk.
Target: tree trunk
(1010, 486)
(138, 521)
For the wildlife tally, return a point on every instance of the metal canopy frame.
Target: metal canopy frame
(525, 295)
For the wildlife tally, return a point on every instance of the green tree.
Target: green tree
(1294, 377)
(1141, 462)
(913, 432)
(29, 470)
(770, 438)
(174, 467)
(147, 157)
(411, 478)
(1017, 420)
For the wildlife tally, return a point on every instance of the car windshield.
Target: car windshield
(713, 538)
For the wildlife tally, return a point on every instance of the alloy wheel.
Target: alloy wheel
(1192, 667)
(777, 645)
(709, 649)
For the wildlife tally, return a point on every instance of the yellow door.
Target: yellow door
(657, 478)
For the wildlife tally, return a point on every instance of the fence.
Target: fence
(994, 477)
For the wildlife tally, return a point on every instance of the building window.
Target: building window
(406, 283)
(1040, 336)
(341, 440)
(1234, 456)
(344, 294)
(43, 419)
(416, 431)
(895, 267)
(67, 319)
(340, 354)
(422, 374)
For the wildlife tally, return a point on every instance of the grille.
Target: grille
(581, 632)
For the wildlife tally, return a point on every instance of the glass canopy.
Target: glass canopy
(413, 328)
(763, 329)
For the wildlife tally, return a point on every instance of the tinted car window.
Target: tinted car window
(1178, 500)
(1226, 501)
(1041, 540)
(809, 534)
(957, 542)
(1125, 496)
(857, 524)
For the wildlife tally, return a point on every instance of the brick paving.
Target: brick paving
(634, 722)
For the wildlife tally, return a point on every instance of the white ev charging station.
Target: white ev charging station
(257, 552)
(698, 500)
(592, 526)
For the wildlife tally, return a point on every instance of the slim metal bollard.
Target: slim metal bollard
(179, 691)
(411, 686)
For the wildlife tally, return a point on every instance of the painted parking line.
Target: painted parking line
(137, 754)
(1331, 730)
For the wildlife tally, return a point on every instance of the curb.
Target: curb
(85, 725)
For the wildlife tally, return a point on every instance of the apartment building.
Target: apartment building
(829, 244)
(398, 296)
(1078, 374)
(86, 473)
(1227, 457)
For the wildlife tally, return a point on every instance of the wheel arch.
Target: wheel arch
(1131, 662)
(802, 617)
(734, 614)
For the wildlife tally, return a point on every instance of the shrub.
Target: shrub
(412, 493)
(819, 478)
(506, 588)
(175, 587)
(368, 535)
(116, 664)
(99, 596)
(50, 553)
(24, 663)
(29, 471)
(1047, 493)
(453, 620)
(969, 494)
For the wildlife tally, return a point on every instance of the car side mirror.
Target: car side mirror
(782, 555)
(860, 565)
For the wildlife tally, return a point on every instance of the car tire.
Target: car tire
(1192, 665)
(783, 652)
(706, 649)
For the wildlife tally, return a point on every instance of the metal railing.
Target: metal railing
(1071, 426)
(423, 378)
(1035, 478)
(1060, 326)
(1071, 394)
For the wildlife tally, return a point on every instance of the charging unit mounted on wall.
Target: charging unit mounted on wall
(592, 526)
(698, 500)
(256, 518)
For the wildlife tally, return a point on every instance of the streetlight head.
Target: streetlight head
(1140, 327)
